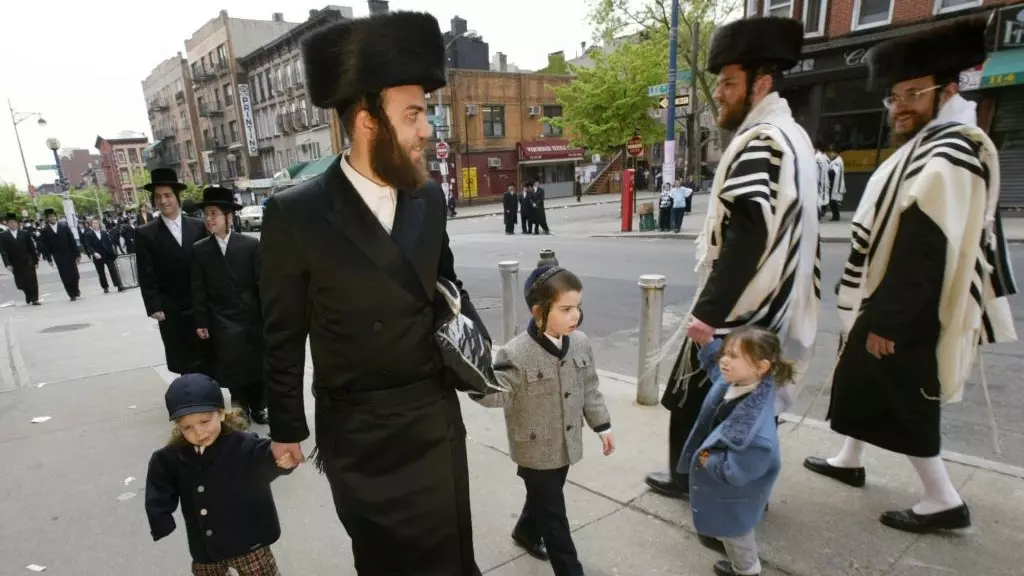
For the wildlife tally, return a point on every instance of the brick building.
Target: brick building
(75, 162)
(173, 118)
(827, 88)
(121, 160)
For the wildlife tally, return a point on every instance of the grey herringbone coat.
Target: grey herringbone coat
(549, 400)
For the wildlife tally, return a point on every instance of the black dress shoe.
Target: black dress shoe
(259, 416)
(538, 550)
(910, 521)
(851, 476)
(668, 485)
(106, 290)
(711, 543)
(724, 568)
(120, 288)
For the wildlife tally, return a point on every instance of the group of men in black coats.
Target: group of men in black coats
(526, 206)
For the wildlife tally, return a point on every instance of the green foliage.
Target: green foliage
(51, 201)
(193, 193)
(556, 65)
(85, 200)
(140, 177)
(605, 105)
(11, 200)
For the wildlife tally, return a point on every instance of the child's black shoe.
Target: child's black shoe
(724, 568)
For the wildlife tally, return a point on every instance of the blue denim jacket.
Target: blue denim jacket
(729, 495)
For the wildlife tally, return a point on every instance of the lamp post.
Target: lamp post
(69, 205)
(440, 107)
(18, 118)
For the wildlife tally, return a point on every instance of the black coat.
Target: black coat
(524, 203)
(511, 205)
(60, 248)
(104, 245)
(224, 493)
(19, 252)
(165, 269)
(225, 293)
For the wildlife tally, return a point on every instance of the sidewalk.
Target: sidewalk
(494, 208)
(73, 485)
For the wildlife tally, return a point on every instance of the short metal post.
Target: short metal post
(547, 258)
(652, 291)
(509, 289)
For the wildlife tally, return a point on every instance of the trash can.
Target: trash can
(128, 270)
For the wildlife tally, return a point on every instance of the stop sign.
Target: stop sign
(442, 150)
(635, 146)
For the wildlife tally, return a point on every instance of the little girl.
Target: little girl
(732, 454)
(553, 385)
(222, 477)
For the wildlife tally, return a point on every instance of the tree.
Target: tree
(85, 200)
(192, 192)
(50, 201)
(556, 65)
(605, 105)
(140, 177)
(11, 200)
(654, 17)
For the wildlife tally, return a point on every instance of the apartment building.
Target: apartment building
(173, 117)
(288, 129)
(121, 161)
(827, 88)
(229, 153)
(75, 162)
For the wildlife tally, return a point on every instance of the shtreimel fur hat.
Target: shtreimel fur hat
(753, 42)
(348, 60)
(944, 50)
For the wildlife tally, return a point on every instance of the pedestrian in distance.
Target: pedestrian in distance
(665, 210)
(511, 206)
(732, 456)
(58, 245)
(679, 198)
(21, 258)
(553, 383)
(102, 252)
(221, 476)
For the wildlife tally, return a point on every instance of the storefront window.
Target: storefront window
(853, 121)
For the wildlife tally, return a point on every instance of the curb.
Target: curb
(693, 236)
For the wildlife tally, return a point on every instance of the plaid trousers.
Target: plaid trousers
(256, 563)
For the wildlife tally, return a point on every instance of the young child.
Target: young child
(732, 454)
(553, 385)
(222, 477)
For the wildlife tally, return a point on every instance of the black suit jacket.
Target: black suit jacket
(18, 250)
(164, 266)
(59, 245)
(366, 299)
(104, 245)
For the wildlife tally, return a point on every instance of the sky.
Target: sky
(81, 64)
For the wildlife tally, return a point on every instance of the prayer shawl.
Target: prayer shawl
(824, 187)
(951, 171)
(837, 179)
(785, 292)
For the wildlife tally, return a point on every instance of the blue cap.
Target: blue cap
(536, 278)
(192, 394)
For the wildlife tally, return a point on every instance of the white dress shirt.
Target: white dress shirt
(174, 226)
(223, 243)
(381, 200)
(53, 227)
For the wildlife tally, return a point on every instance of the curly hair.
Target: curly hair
(234, 421)
(758, 344)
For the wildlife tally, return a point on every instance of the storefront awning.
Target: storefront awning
(294, 169)
(548, 149)
(1004, 68)
(315, 168)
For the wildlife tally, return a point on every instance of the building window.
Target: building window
(954, 5)
(298, 73)
(552, 112)
(494, 121)
(316, 115)
(229, 95)
(854, 122)
(233, 128)
(781, 8)
(280, 80)
(124, 177)
(222, 55)
(120, 157)
(871, 13)
(195, 69)
(814, 17)
(304, 113)
(287, 75)
(133, 156)
(190, 150)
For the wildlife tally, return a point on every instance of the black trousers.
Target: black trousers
(26, 280)
(684, 401)
(526, 222)
(251, 398)
(540, 220)
(102, 265)
(834, 206)
(67, 267)
(510, 223)
(544, 518)
(665, 219)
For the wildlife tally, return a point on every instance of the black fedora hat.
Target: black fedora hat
(48, 211)
(164, 177)
(219, 197)
(12, 216)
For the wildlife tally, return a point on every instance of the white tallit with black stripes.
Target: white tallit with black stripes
(785, 293)
(951, 171)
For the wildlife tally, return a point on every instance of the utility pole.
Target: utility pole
(695, 128)
(668, 170)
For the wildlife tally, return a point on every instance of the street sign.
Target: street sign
(441, 150)
(682, 101)
(682, 76)
(42, 167)
(635, 146)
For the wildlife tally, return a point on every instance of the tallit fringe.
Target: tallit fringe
(988, 403)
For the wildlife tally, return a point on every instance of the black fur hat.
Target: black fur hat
(756, 41)
(347, 60)
(945, 50)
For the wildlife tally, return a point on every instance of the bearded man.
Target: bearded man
(351, 259)
(928, 274)
(758, 251)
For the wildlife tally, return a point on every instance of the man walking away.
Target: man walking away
(821, 162)
(539, 216)
(20, 258)
(578, 188)
(526, 209)
(511, 206)
(837, 182)
(104, 256)
(61, 249)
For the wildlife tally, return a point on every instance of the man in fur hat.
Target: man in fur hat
(58, 245)
(164, 251)
(351, 259)
(226, 296)
(758, 250)
(928, 274)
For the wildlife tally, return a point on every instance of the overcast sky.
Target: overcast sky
(82, 63)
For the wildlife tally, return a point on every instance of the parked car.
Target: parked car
(252, 218)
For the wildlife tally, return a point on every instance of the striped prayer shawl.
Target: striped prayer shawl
(771, 162)
(950, 171)
(836, 179)
(822, 162)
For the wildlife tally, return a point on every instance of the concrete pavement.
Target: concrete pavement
(68, 504)
(494, 208)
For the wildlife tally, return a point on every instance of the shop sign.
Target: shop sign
(552, 149)
(830, 62)
(1011, 27)
(970, 79)
(998, 80)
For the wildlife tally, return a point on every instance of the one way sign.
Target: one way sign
(682, 101)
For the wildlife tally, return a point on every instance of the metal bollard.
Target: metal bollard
(652, 291)
(547, 258)
(509, 270)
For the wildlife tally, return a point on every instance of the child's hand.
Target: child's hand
(286, 462)
(700, 332)
(703, 458)
(608, 441)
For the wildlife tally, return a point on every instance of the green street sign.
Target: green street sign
(46, 167)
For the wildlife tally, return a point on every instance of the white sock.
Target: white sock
(939, 492)
(851, 456)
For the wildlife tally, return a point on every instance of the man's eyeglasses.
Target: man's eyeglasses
(909, 98)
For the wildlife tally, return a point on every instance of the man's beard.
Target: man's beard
(899, 139)
(734, 118)
(392, 164)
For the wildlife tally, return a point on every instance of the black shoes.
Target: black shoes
(850, 476)
(712, 543)
(724, 568)
(259, 417)
(909, 521)
(537, 550)
(669, 485)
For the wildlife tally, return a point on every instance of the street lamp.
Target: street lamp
(69, 206)
(18, 118)
(441, 134)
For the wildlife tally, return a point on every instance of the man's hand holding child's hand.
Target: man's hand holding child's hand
(700, 332)
(286, 462)
(608, 441)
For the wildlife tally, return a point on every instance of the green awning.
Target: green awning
(296, 168)
(1005, 68)
(315, 168)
